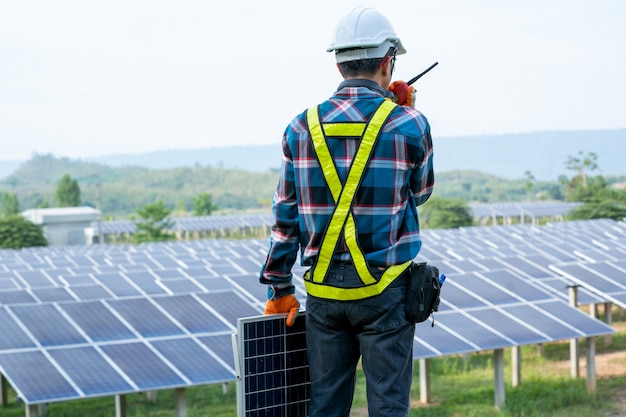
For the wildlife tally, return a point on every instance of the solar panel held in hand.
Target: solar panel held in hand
(273, 372)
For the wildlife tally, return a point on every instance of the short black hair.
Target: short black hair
(364, 67)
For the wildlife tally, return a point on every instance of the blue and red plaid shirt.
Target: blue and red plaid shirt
(399, 177)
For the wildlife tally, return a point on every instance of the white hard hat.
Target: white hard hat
(364, 33)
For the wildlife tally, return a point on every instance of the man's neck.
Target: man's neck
(367, 83)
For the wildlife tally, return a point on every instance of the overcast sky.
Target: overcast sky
(83, 78)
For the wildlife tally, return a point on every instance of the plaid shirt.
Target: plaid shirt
(399, 177)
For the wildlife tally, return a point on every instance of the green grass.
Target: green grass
(462, 386)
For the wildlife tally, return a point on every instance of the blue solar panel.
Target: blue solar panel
(36, 278)
(145, 317)
(165, 274)
(214, 284)
(506, 325)
(198, 365)
(484, 338)
(16, 297)
(230, 305)
(485, 289)
(621, 264)
(520, 287)
(584, 324)
(221, 345)
(540, 321)
(146, 282)
(251, 285)
(8, 283)
(442, 341)
(457, 296)
(611, 272)
(180, 286)
(143, 366)
(465, 266)
(34, 378)
(50, 295)
(526, 268)
(12, 335)
(560, 286)
(90, 292)
(77, 279)
(199, 271)
(579, 274)
(191, 314)
(97, 321)
(98, 378)
(47, 325)
(117, 284)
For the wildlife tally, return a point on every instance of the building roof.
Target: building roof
(62, 214)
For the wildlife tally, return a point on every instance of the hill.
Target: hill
(119, 191)
(506, 156)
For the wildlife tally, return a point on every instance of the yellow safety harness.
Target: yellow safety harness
(342, 219)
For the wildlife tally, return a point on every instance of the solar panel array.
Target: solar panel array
(110, 319)
(209, 223)
(195, 223)
(106, 320)
(522, 209)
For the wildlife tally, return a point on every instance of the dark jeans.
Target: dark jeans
(340, 332)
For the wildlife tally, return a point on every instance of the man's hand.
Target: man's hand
(285, 304)
(404, 94)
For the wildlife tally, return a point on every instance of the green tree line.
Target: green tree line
(47, 181)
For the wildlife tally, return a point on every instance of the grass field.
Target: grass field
(462, 386)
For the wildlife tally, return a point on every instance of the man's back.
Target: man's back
(399, 171)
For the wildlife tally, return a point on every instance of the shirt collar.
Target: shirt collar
(369, 84)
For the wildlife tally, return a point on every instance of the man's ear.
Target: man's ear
(385, 68)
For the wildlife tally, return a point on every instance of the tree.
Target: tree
(154, 222)
(16, 232)
(577, 192)
(203, 205)
(604, 204)
(9, 204)
(443, 213)
(530, 181)
(582, 164)
(68, 192)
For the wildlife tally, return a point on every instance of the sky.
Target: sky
(85, 78)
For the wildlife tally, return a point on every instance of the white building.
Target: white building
(65, 225)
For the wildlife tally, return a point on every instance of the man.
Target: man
(354, 168)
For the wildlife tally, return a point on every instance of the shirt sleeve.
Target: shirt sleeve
(423, 178)
(284, 245)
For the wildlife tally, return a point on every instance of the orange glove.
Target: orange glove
(285, 304)
(403, 93)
